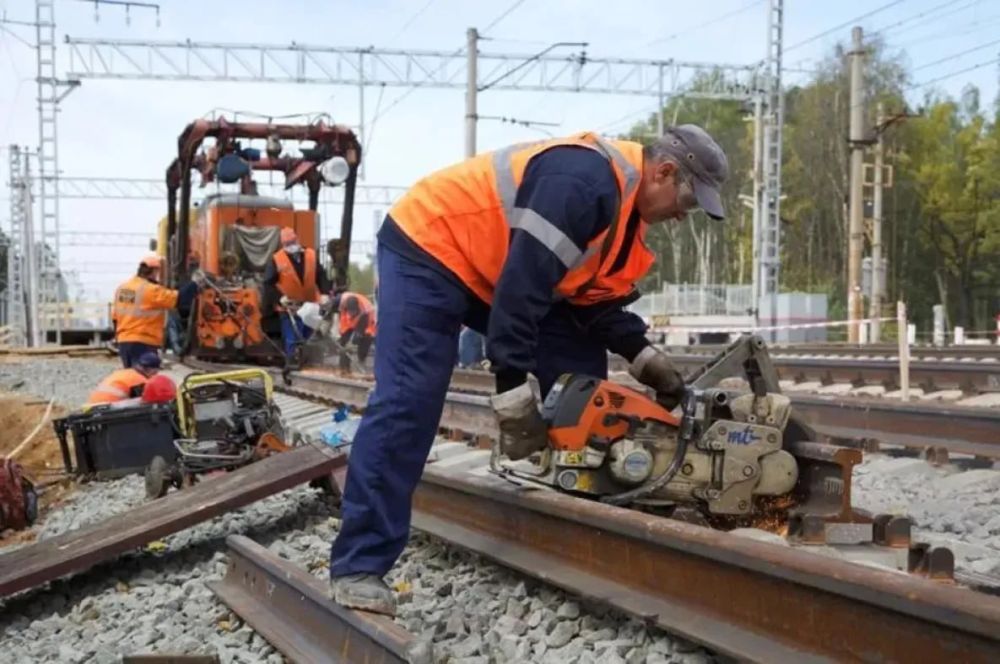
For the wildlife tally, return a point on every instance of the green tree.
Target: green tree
(953, 156)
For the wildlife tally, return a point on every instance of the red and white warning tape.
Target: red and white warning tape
(751, 328)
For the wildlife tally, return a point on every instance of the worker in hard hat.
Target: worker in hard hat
(127, 383)
(356, 322)
(298, 277)
(139, 311)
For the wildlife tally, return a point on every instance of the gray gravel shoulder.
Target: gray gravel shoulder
(69, 381)
(949, 506)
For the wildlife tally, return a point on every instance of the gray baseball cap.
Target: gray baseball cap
(704, 159)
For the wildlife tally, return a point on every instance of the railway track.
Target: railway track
(750, 600)
(856, 351)
(968, 375)
(930, 428)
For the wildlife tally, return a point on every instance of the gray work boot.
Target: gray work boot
(366, 592)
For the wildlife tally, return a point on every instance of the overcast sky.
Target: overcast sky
(118, 128)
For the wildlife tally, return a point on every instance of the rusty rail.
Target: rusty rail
(81, 549)
(750, 600)
(290, 608)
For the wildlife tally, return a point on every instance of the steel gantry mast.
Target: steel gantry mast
(760, 83)
(15, 292)
(48, 156)
(767, 209)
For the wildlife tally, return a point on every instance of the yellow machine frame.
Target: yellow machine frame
(185, 422)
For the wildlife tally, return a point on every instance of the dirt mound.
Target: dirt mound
(41, 457)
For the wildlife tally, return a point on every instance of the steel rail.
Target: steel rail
(292, 610)
(957, 429)
(886, 351)
(750, 600)
(81, 549)
(970, 377)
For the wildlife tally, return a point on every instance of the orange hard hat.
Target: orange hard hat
(151, 260)
(288, 235)
(159, 389)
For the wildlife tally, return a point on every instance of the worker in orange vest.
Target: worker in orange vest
(539, 246)
(356, 321)
(128, 383)
(139, 311)
(297, 275)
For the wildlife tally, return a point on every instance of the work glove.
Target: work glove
(324, 300)
(653, 368)
(284, 301)
(199, 278)
(522, 429)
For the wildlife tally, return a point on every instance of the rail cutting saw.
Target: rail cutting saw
(724, 449)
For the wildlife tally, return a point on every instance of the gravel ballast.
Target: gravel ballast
(949, 506)
(475, 612)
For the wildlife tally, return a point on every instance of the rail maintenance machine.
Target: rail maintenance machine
(232, 236)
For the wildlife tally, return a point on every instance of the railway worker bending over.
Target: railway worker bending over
(124, 384)
(139, 313)
(299, 278)
(539, 246)
(356, 322)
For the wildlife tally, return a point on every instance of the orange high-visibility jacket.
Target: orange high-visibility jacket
(140, 311)
(348, 322)
(463, 215)
(299, 290)
(117, 386)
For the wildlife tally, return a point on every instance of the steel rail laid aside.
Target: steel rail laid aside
(291, 609)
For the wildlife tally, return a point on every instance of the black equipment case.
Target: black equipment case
(112, 442)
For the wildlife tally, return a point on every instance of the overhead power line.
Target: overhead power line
(843, 25)
(987, 63)
(507, 12)
(926, 12)
(410, 20)
(699, 26)
(951, 32)
(955, 56)
(398, 100)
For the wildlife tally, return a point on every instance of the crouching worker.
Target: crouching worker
(298, 277)
(357, 322)
(126, 383)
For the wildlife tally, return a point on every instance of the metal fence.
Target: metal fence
(696, 300)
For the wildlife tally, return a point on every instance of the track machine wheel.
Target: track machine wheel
(157, 478)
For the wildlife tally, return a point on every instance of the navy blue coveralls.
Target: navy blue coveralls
(422, 307)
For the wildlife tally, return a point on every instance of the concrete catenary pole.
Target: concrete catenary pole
(471, 90)
(855, 205)
(878, 288)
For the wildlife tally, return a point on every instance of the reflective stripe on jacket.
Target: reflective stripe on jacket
(117, 386)
(289, 284)
(348, 322)
(140, 311)
(463, 215)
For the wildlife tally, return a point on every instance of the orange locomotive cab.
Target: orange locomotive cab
(233, 236)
